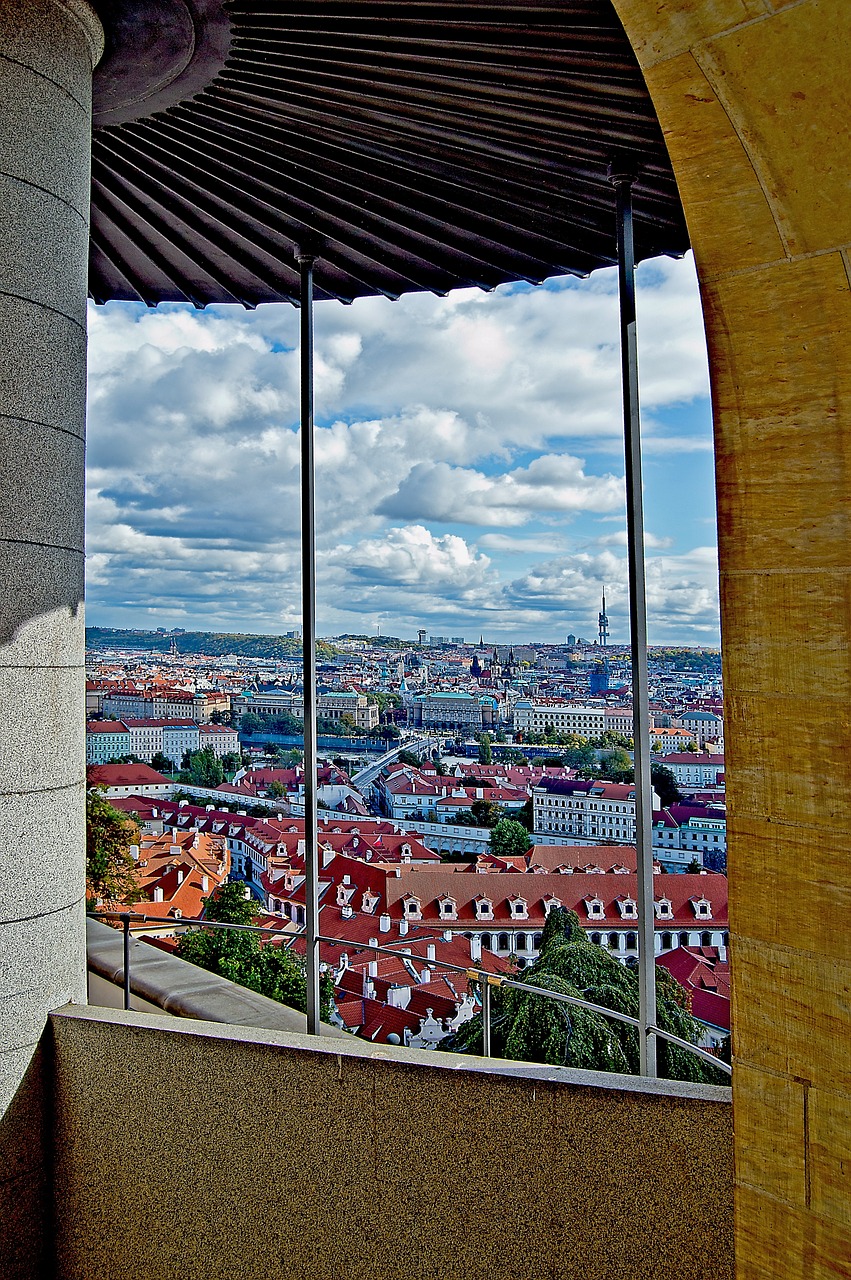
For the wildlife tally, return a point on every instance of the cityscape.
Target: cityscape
(450, 774)
(400, 406)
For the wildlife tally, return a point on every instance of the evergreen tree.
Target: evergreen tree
(531, 1028)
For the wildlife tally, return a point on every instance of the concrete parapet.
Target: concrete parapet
(195, 1150)
(164, 983)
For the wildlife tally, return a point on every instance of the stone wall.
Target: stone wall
(754, 102)
(195, 1150)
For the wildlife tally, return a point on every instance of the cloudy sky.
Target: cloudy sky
(469, 464)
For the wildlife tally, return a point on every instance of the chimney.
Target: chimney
(205, 884)
(384, 923)
(431, 953)
(158, 894)
(403, 928)
(174, 850)
(398, 997)
(373, 942)
(181, 804)
(208, 808)
(346, 912)
(372, 968)
(425, 975)
(181, 875)
(134, 852)
(476, 948)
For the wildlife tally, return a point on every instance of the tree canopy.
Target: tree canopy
(509, 839)
(268, 968)
(202, 768)
(531, 1028)
(110, 868)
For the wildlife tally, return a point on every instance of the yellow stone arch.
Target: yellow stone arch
(754, 100)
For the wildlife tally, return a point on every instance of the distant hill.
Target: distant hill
(212, 643)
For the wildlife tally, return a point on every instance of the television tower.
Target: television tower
(603, 623)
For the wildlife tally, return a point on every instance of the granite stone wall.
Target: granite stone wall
(47, 51)
(192, 1150)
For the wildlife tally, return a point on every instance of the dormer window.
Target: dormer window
(628, 908)
(412, 908)
(519, 910)
(447, 908)
(550, 904)
(369, 901)
(664, 910)
(595, 909)
(702, 908)
(484, 909)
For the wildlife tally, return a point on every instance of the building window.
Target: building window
(502, 942)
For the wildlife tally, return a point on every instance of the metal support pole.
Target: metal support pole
(308, 621)
(486, 1017)
(622, 177)
(125, 924)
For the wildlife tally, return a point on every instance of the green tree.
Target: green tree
(202, 768)
(530, 1028)
(694, 868)
(618, 766)
(486, 813)
(485, 755)
(692, 747)
(110, 868)
(509, 839)
(250, 722)
(162, 763)
(272, 970)
(277, 789)
(665, 785)
(231, 761)
(526, 816)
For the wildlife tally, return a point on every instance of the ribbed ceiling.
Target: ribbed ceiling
(427, 145)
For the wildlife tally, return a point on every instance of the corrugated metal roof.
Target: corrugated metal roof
(428, 145)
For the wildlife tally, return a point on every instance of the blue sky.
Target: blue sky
(469, 464)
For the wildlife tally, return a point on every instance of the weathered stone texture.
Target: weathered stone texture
(754, 101)
(275, 1155)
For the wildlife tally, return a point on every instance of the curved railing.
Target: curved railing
(486, 981)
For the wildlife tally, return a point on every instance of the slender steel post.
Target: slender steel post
(125, 924)
(486, 1017)
(622, 177)
(308, 641)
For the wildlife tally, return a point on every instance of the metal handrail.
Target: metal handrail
(486, 980)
